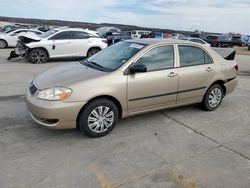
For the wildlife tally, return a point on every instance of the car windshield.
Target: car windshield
(9, 30)
(114, 56)
(48, 33)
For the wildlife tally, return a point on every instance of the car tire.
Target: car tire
(93, 51)
(3, 44)
(98, 118)
(37, 56)
(213, 98)
(249, 48)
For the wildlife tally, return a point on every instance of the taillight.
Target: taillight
(105, 41)
(236, 68)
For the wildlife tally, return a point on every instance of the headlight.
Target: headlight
(54, 93)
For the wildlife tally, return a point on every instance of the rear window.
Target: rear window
(197, 40)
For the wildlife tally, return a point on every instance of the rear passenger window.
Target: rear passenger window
(80, 35)
(159, 58)
(62, 36)
(190, 56)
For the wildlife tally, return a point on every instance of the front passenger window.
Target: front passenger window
(159, 58)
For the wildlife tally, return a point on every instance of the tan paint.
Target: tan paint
(88, 83)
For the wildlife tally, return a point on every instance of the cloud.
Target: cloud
(212, 15)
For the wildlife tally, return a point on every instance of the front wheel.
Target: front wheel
(213, 98)
(37, 56)
(98, 118)
(3, 44)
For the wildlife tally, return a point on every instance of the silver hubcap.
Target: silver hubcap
(2, 44)
(100, 119)
(214, 97)
(38, 57)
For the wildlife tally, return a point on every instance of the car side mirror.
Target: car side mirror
(138, 68)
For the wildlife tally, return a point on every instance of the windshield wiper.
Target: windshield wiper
(97, 65)
(93, 64)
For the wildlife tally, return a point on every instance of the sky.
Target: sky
(204, 15)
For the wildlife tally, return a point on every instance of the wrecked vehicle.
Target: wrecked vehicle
(10, 38)
(58, 43)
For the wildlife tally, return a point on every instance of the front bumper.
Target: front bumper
(53, 114)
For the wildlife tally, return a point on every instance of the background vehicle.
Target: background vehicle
(129, 78)
(136, 34)
(225, 41)
(239, 40)
(8, 28)
(213, 40)
(178, 36)
(248, 44)
(60, 43)
(200, 41)
(114, 37)
(10, 38)
(157, 35)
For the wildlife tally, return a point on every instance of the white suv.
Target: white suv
(60, 43)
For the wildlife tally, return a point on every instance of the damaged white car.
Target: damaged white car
(10, 38)
(59, 43)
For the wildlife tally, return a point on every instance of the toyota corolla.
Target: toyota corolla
(129, 78)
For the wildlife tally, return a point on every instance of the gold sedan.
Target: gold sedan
(129, 78)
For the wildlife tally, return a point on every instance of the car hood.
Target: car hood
(28, 38)
(66, 75)
(31, 36)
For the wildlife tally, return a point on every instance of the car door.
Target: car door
(195, 73)
(80, 43)
(157, 87)
(60, 45)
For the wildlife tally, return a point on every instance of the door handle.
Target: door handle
(172, 74)
(208, 69)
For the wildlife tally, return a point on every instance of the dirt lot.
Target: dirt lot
(178, 148)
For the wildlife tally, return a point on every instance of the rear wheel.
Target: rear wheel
(37, 56)
(93, 51)
(213, 97)
(3, 44)
(98, 118)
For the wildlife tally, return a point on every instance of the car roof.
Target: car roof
(20, 29)
(78, 29)
(160, 41)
